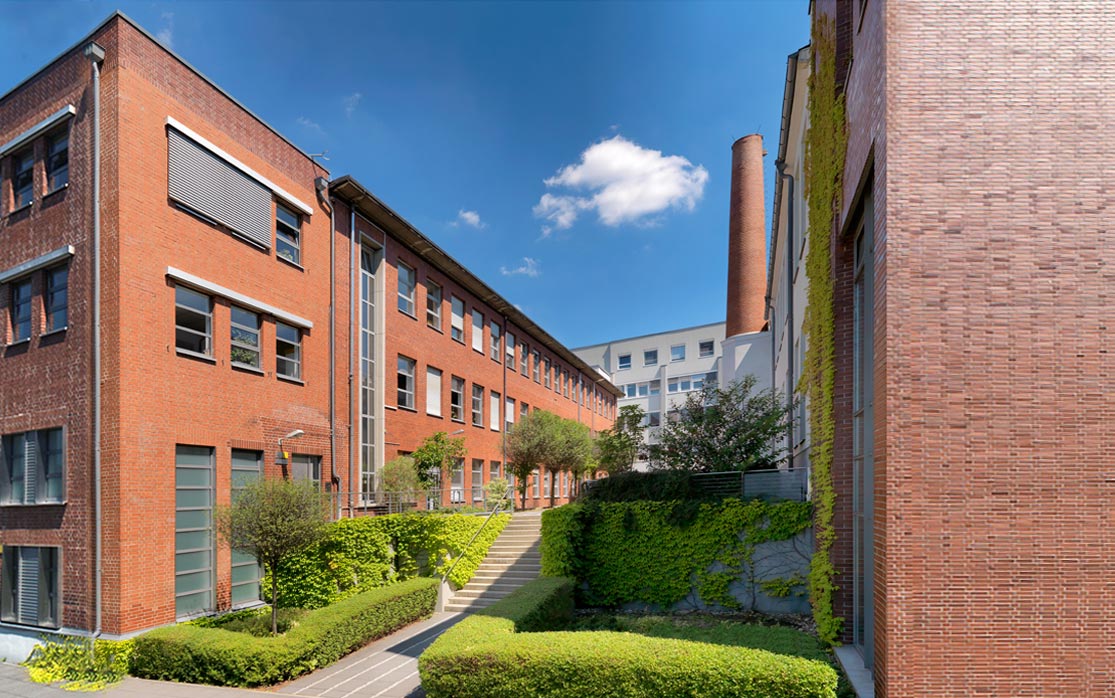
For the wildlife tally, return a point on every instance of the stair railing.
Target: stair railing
(444, 592)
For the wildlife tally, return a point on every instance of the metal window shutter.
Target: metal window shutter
(203, 182)
(31, 468)
(28, 585)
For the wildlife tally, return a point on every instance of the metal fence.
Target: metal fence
(776, 484)
(463, 499)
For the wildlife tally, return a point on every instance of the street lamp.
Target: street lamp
(284, 458)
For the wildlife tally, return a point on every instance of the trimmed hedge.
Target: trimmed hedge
(493, 654)
(657, 486)
(214, 656)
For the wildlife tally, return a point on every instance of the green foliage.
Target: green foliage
(196, 654)
(619, 446)
(530, 446)
(496, 491)
(572, 450)
(825, 144)
(401, 475)
(256, 621)
(659, 486)
(781, 587)
(734, 428)
(654, 552)
(76, 665)
(503, 652)
(438, 453)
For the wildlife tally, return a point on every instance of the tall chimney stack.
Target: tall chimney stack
(747, 247)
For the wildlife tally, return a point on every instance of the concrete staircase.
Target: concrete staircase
(513, 560)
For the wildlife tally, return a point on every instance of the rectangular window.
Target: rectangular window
(496, 332)
(547, 477)
(244, 333)
(546, 371)
(433, 391)
(33, 468)
(478, 331)
(493, 410)
(21, 311)
(57, 298)
(288, 351)
(509, 351)
(457, 399)
(655, 387)
(644, 389)
(654, 419)
(705, 348)
(524, 410)
(433, 305)
(288, 234)
(477, 406)
(29, 585)
(537, 366)
(565, 479)
(407, 282)
(677, 352)
(477, 483)
(524, 360)
(23, 179)
(405, 394)
(247, 467)
(193, 322)
(303, 467)
(650, 357)
(193, 530)
(536, 478)
(509, 415)
(58, 161)
(493, 470)
(457, 319)
(457, 482)
(565, 383)
(624, 362)
(630, 389)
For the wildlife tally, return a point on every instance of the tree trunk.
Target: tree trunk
(553, 485)
(274, 607)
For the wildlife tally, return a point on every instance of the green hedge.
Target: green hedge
(662, 486)
(365, 553)
(197, 654)
(661, 552)
(493, 654)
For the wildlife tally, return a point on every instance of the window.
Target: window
(644, 389)
(247, 467)
(537, 366)
(33, 465)
(433, 305)
(624, 362)
(245, 338)
(405, 395)
(654, 419)
(546, 370)
(509, 351)
(457, 481)
(193, 530)
(524, 360)
(650, 357)
(535, 477)
(366, 427)
(433, 391)
(677, 352)
(58, 161)
(655, 387)
(547, 477)
(57, 298)
(629, 389)
(706, 348)
(288, 234)
(477, 406)
(23, 180)
(457, 319)
(565, 382)
(29, 582)
(193, 322)
(495, 331)
(457, 399)
(478, 331)
(493, 411)
(477, 483)
(524, 410)
(303, 467)
(493, 470)
(509, 415)
(288, 351)
(21, 311)
(407, 277)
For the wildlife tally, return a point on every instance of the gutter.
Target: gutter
(322, 187)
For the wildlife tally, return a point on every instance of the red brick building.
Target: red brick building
(218, 269)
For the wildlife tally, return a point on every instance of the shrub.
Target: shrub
(662, 486)
(70, 662)
(211, 655)
(493, 654)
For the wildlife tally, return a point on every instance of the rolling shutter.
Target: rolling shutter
(204, 183)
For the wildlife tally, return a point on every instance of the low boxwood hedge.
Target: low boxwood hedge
(495, 654)
(196, 654)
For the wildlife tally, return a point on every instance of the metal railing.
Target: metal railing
(444, 590)
(474, 500)
(774, 484)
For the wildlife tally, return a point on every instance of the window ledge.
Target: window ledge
(435, 329)
(194, 355)
(457, 421)
(246, 368)
(19, 343)
(22, 208)
(290, 262)
(56, 190)
(390, 407)
(50, 333)
(33, 504)
(431, 414)
(290, 379)
(460, 341)
(412, 316)
(404, 408)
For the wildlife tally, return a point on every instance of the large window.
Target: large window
(33, 467)
(457, 481)
(405, 394)
(496, 333)
(407, 282)
(288, 234)
(57, 298)
(193, 530)
(457, 399)
(58, 160)
(23, 179)
(478, 331)
(477, 481)
(21, 310)
(244, 335)
(369, 261)
(288, 351)
(457, 319)
(247, 467)
(433, 305)
(493, 410)
(433, 391)
(193, 322)
(29, 586)
(477, 406)
(303, 467)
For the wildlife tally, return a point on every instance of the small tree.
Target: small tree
(735, 428)
(530, 446)
(571, 451)
(401, 475)
(273, 519)
(619, 446)
(437, 453)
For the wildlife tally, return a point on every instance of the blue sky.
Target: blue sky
(575, 156)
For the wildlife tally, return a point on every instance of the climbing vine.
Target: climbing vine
(825, 143)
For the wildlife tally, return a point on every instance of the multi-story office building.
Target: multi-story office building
(175, 302)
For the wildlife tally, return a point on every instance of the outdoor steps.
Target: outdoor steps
(512, 561)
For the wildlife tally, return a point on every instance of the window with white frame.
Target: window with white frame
(509, 350)
(433, 305)
(433, 391)
(288, 234)
(524, 359)
(650, 357)
(478, 331)
(457, 319)
(677, 352)
(706, 348)
(535, 476)
(494, 399)
(524, 410)
(496, 332)
(193, 322)
(404, 396)
(29, 586)
(288, 351)
(457, 399)
(477, 406)
(546, 371)
(537, 366)
(477, 480)
(624, 362)
(244, 337)
(408, 279)
(32, 470)
(509, 415)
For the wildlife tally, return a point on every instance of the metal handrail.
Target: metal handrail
(495, 510)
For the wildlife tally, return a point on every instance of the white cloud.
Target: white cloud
(624, 183)
(310, 125)
(351, 102)
(469, 218)
(529, 267)
(165, 36)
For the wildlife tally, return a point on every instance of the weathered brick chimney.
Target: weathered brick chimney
(747, 246)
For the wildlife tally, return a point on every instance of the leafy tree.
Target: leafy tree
(273, 519)
(496, 490)
(438, 453)
(619, 446)
(571, 452)
(401, 475)
(735, 428)
(530, 446)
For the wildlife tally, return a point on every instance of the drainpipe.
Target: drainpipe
(322, 187)
(351, 370)
(790, 358)
(96, 55)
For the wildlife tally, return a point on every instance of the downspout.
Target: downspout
(322, 187)
(506, 417)
(96, 55)
(790, 358)
(351, 369)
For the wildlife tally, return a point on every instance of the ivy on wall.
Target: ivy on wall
(825, 144)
